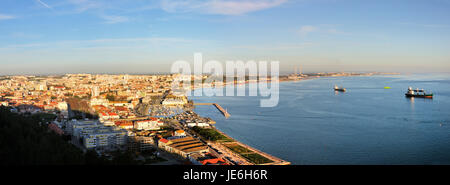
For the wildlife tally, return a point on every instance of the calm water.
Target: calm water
(366, 125)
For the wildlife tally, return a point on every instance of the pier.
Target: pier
(203, 103)
(222, 110)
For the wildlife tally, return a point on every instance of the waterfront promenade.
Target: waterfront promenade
(237, 157)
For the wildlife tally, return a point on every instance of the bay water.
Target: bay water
(368, 124)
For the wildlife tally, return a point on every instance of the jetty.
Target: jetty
(224, 111)
(220, 108)
(203, 103)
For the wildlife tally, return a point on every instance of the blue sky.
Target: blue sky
(147, 36)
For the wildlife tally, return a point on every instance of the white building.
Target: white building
(95, 101)
(147, 125)
(108, 123)
(95, 91)
(62, 106)
(97, 136)
(179, 133)
(77, 128)
(174, 100)
(107, 116)
(105, 138)
(198, 124)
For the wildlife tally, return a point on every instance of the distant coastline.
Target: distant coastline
(311, 110)
(285, 78)
(288, 78)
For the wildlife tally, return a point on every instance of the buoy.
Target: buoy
(387, 87)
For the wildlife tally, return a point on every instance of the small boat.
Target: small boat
(418, 93)
(336, 88)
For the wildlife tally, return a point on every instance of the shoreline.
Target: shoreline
(285, 78)
(275, 160)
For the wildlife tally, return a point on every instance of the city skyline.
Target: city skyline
(86, 36)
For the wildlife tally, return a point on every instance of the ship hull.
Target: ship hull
(419, 96)
(341, 90)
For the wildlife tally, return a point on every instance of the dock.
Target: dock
(203, 103)
(222, 110)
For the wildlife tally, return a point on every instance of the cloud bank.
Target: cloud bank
(6, 17)
(219, 7)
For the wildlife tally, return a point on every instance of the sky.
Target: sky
(147, 36)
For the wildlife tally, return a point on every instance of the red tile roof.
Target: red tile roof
(164, 140)
(120, 108)
(212, 161)
(112, 114)
(123, 123)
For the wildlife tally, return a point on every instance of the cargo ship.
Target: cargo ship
(336, 88)
(418, 93)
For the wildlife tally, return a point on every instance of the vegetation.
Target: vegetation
(248, 154)
(210, 134)
(237, 148)
(153, 159)
(45, 117)
(256, 158)
(80, 109)
(110, 97)
(23, 141)
(150, 157)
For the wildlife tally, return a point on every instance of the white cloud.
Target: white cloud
(112, 19)
(6, 17)
(106, 42)
(305, 30)
(84, 5)
(279, 46)
(221, 7)
(322, 29)
(334, 31)
(44, 4)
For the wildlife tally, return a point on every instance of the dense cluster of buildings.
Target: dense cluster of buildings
(113, 100)
(114, 93)
(94, 135)
(183, 146)
(118, 117)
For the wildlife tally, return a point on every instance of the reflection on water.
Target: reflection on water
(338, 92)
(412, 102)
